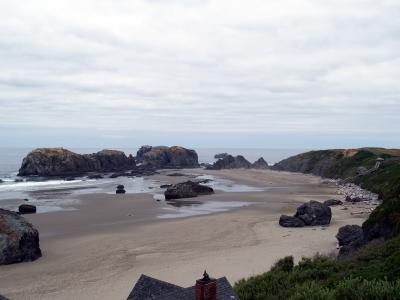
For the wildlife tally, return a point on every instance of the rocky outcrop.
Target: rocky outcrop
(62, 162)
(220, 155)
(19, 240)
(230, 162)
(260, 164)
(27, 209)
(290, 221)
(188, 189)
(162, 157)
(314, 213)
(311, 213)
(332, 202)
(350, 238)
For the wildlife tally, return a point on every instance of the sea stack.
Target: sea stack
(162, 157)
(230, 162)
(62, 162)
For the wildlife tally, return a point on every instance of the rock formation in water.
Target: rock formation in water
(162, 157)
(62, 162)
(230, 162)
(19, 240)
(188, 189)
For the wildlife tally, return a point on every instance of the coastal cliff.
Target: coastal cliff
(62, 162)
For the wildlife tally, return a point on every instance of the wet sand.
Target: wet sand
(100, 250)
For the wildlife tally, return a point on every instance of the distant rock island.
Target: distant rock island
(227, 161)
(62, 162)
(163, 157)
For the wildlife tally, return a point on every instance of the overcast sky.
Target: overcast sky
(287, 73)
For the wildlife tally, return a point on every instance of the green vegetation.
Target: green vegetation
(373, 274)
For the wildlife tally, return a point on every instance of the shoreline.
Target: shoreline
(99, 251)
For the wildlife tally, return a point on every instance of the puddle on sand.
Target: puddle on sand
(201, 209)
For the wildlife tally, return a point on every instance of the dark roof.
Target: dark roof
(3, 298)
(148, 288)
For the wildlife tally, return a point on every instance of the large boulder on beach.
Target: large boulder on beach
(27, 209)
(230, 162)
(162, 157)
(19, 240)
(62, 162)
(188, 189)
(289, 221)
(350, 238)
(120, 189)
(260, 164)
(314, 213)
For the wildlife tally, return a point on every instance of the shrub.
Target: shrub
(285, 264)
(361, 289)
(312, 291)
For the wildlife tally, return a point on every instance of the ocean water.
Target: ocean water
(57, 194)
(11, 158)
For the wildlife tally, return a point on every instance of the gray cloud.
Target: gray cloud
(263, 67)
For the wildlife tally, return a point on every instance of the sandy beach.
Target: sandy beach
(100, 250)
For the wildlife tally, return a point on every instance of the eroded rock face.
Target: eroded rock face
(260, 164)
(62, 162)
(230, 162)
(188, 189)
(163, 157)
(350, 238)
(314, 213)
(19, 240)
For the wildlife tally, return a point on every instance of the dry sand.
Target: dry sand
(100, 250)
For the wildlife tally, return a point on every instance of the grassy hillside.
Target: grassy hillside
(345, 164)
(371, 273)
